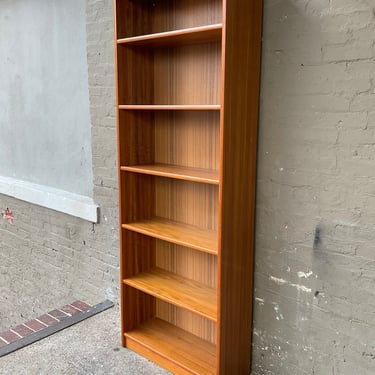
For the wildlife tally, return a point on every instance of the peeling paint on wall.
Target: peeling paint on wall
(299, 287)
(305, 275)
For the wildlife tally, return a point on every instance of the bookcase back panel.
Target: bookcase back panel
(148, 17)
(187, 202)
(187, 74)
(188, 321)
(183, 138)
(140, 253)
(187, 262)
(188, 138)
(135, 75)
(145, 196)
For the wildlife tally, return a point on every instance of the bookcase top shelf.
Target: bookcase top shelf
(200, 34)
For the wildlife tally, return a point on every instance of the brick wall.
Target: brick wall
(315, 254)
(48, 259)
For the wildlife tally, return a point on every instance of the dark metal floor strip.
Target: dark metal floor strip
(59, 326)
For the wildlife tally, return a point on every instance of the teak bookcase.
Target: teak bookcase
(187, 114)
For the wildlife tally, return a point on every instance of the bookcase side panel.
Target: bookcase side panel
(132, 17)
(240, 121)
(135, 75)
(137, 137)
(138, 197)
(140, 308)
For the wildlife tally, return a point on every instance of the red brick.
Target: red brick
(35, 325)
(80, 305)
(9, 336)
(58, 314)
(69, 309)
(46, 319)
(22, 330)
(2, 343)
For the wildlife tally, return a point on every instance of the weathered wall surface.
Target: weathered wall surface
(48, 258)
(315, 255)
(44, 100)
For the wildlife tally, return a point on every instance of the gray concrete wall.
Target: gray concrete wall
(48, 258)
(315, 255)
(45, 128)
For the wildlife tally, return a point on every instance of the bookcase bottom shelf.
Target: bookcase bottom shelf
(172, 348)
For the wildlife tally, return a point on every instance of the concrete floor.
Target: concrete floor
(90, 347)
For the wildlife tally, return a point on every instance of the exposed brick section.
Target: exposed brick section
(80, 305)
(45, 248)
(2, 342)
(58, 314)
(47, 319)
(41, 322)
(9, 336)
(35, 325)
(22, 330)
(70, 310)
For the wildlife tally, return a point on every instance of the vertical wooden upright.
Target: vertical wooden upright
(187, 111)
(242, 30)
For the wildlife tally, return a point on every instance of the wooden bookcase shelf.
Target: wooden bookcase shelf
(187, 114)
(177, 233)
(182, 143)
(173, 347)
(176, 107)
(177, 290)
(173, 171)
(202, 34)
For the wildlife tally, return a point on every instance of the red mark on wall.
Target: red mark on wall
(7, 215)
